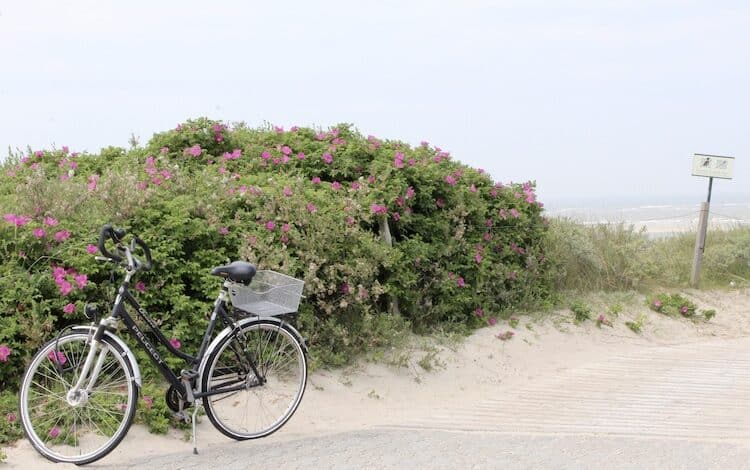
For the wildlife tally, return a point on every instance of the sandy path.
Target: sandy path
(554, 377)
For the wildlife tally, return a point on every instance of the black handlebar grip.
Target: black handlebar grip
(118, 234)
(107, 231)
(148, 264)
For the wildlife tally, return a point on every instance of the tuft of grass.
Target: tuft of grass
(615, 309)
(708, 314)
(598, 257)
(430, 361)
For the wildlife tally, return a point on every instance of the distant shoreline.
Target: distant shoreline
(659, 220)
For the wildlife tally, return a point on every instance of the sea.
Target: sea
(660, 216)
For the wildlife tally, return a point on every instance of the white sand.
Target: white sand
(480, 367)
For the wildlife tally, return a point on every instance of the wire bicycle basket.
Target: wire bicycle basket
(269, 294)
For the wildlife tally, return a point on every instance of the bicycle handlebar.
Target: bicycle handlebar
(117, 235)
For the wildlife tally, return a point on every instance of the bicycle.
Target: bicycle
(79, 393)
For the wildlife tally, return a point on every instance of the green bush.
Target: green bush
(153, 411)
(581, 311)
(386, 236)
(10, 420)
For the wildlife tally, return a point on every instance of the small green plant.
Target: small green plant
(581, 311)
(708, 314)
(505, 336)
(637, 325)
(513, 321)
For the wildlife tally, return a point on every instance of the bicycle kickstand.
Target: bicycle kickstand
(198, 403)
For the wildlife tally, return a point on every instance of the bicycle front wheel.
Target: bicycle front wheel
(77, 427)
(255, 406)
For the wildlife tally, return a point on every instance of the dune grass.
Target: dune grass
(620, 257)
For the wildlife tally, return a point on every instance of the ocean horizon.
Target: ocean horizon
(659, 215)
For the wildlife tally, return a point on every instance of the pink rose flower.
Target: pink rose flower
(62, 235)
(378, 209)
(58, 358)
(81, 280)
(5, 351)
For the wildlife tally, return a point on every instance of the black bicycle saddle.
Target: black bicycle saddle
(237, 271)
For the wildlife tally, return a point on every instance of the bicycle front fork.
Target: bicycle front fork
(78, 395)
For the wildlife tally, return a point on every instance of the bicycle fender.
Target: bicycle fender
(126, 350)
(228, 330)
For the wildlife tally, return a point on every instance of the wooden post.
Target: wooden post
(700, 238)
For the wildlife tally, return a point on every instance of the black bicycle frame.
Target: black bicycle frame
(119, 311)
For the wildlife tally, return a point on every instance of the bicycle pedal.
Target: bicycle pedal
(182, 416)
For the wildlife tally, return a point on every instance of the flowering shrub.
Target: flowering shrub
(386, 236)
(677, 305)
(672, 304)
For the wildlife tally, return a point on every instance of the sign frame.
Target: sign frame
(713, 166)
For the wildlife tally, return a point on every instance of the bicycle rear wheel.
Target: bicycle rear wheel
(264, 403)
(76, 428)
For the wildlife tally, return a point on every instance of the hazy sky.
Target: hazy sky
(589, 98)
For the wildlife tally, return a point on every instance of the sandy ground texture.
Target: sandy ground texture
(552, 381)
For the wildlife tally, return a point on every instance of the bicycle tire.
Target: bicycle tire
(282, 363)
(113, 401)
